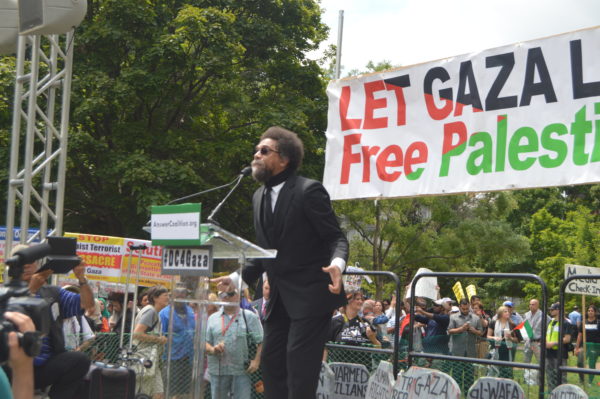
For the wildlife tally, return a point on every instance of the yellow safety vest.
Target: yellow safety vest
(552, 335)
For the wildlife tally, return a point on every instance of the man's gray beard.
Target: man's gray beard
(261, 174)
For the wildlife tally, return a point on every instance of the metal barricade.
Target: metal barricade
(542, 364)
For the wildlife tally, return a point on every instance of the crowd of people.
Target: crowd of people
(466, 329)
(234, 335)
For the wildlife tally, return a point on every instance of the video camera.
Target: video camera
(60, 254)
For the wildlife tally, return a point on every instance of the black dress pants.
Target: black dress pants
(64, 372)
(292, 354)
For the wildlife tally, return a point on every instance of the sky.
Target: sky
(407, 32)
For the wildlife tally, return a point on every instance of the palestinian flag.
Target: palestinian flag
(525, 330)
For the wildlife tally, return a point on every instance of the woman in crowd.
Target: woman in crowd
(147, 335)
(502, 338)
(380, 322)
(482, 344)
(104, 316)
(592, 341)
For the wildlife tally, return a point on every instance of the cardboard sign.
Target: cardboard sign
(492, 387)
(568, 391)
(512, 117)
(350, 380)
(381, 382)
(582, 287)
(326, 382)
(422, 383)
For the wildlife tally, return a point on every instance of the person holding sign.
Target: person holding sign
(293, 215)
(592, 341)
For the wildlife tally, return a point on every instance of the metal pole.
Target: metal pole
(138, 248)
(338, 51)
(14, 148)
(124, 309)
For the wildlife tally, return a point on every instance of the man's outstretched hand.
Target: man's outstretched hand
(223, 283)
(336, 278)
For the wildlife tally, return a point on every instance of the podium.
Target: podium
(225, 245)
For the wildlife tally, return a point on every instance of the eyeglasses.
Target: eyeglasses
(265, 150)
(228, 294)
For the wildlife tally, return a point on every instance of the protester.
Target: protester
(351, 328)
(260, 305)
(464, 329)
(294, 216)
(535, 318)
(104, 316)
(575, 317)
(482, 342)
(116, 301)
(555, 378)
(54, 366)
(182, 346)
(436, 327)
(229, 333)
(592, 341)
(501, 335)
(148, 338)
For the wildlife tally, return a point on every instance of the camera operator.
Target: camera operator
(21, 365)
(55, 366)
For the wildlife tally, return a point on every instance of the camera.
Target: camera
(15, 296)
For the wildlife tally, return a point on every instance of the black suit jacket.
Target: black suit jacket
(307, 237)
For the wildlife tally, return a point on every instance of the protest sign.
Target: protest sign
(568, 391)
(107, 259)
(518, 116)
(381, 382)
(350, 380)
(582, 287)
(458, 291)
(492, 387)
(427, 287)
(326, 382)
(422, 383)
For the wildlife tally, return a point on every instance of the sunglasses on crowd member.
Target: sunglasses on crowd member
(265, 150)
(227, 294)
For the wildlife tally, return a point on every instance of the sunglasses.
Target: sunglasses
(265, 150)
(228, 294)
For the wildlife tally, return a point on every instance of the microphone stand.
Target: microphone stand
(210, 218)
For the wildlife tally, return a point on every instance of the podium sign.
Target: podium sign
(188, 261)
(176, 225)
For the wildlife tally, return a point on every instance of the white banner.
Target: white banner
(518, 116)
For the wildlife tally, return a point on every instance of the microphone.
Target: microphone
(244, 172)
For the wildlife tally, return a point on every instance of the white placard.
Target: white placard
(381, 382)
(175, 226)
(568, 391)
(422, 383)
(326, 382)
(582, 287)
(350, 380)
(492, 387)
(427, 287)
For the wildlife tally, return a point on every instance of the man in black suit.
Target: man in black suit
(293, 215)
(260, 305)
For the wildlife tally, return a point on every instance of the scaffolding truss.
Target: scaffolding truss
(38, 153)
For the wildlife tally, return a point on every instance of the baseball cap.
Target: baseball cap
(441, 301)
(555, 306)
(455, 309)
(508, 303)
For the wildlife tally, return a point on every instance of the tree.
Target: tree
(170, 97)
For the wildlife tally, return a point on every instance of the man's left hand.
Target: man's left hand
(336, 278)
(254, 364)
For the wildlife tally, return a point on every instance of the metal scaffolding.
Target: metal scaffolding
(38, 153)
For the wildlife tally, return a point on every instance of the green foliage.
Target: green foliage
(170, 97)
